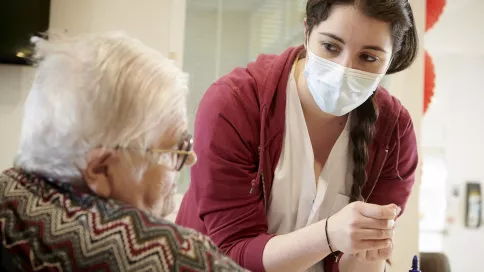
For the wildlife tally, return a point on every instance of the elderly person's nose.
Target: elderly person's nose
(192, 159)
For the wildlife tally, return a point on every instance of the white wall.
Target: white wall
(201, 48)
(14, 85)
(456, 48)
(158, 23)
(200, 53)
(460, 88)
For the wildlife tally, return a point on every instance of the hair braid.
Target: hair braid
(361, 136)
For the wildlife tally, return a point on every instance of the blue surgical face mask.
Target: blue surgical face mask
(336, 89)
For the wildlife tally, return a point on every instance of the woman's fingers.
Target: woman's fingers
(375, 234)
(361, 226)
(378, 212)
(361, 256)
(374, 244)
(374, 255)
(385, 253)
(370, 223)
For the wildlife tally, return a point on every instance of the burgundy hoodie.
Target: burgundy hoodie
(239, 131)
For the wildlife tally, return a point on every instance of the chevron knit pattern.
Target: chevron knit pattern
(48, 226)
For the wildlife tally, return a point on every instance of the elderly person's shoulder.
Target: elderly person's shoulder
(49, 224)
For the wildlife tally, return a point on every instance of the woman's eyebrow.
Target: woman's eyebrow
(370, 47)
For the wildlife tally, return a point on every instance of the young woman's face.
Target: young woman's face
(352, 39)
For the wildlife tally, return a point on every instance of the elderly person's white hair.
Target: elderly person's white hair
(97, 91)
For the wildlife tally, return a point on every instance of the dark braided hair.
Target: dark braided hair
(405, 47)
(361, 136)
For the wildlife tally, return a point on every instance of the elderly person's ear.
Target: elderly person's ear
(96, 174)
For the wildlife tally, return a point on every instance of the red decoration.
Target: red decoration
(429, 81)
(435, 8)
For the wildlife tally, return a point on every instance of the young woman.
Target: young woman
(286, 144)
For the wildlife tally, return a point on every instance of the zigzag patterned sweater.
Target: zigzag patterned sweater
(48, 226)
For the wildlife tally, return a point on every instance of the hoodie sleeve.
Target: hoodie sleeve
(398, 174)
(226, 142)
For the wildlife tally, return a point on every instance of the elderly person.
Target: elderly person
(104, 137)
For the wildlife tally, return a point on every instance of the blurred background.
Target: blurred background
(208, 38)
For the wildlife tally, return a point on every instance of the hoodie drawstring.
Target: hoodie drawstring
(398, 151)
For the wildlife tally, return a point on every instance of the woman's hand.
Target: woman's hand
(374, 255)
(361, 227)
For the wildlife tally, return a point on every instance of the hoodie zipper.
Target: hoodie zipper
(254, 182)
(379, 173)
(263, 189)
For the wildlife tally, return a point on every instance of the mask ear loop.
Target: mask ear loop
(306, 43)
(296, 62)
(306, 47)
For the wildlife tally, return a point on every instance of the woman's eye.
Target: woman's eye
(331, 47)
(368, 58)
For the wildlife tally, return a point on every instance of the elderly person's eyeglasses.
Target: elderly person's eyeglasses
(184, 150)
(182, 153)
